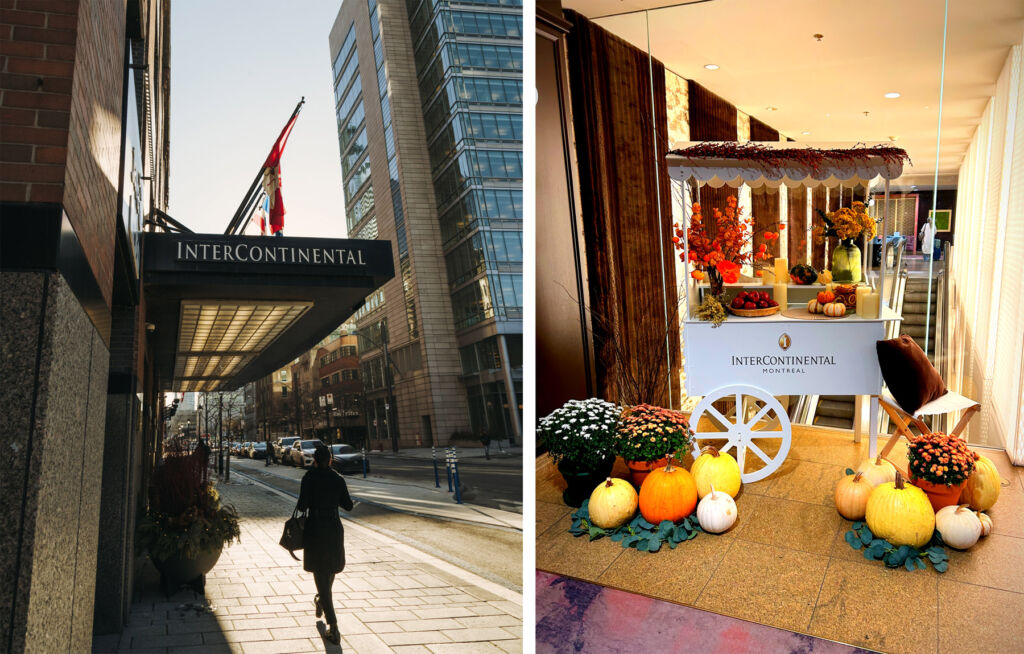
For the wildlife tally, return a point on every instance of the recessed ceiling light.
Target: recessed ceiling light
(893, 138)
(805, 132)
(711, 66)
(828, 115)
(892, 95)
(818, 37)
(772, 108)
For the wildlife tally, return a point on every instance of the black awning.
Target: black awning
(231, 309)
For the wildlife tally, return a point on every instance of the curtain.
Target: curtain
(625, 200)
(986, 348)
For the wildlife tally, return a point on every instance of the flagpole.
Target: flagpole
(237, 219)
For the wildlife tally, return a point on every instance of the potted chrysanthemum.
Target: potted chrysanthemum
(940, 465)
(647, 435)
(579, 437)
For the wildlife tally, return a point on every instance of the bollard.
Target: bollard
(455, 473)
(433, 456)
(364, 463)
(448, 467)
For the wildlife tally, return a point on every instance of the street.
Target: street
(399, 499)
(487, 483)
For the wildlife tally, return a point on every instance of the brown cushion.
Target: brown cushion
(910, 376)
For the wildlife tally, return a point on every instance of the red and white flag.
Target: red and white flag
(272, 178)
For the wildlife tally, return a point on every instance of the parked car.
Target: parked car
(301, 452)
(282, 447)
(243, 448)
(348, 459)
(258, 450)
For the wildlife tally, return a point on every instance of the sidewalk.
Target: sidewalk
(390, 598)
(409, 498)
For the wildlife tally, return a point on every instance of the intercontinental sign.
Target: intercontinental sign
(205, 252)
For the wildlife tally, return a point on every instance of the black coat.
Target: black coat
(323, 540)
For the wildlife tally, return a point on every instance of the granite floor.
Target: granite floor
(785, 563)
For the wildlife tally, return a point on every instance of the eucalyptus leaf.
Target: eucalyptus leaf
(850, 471)
(643, 545)
(866, 537)
(617, 536)
(642, 522)
(941, 566)
(910, 565)
(655, 546)
(857, 525)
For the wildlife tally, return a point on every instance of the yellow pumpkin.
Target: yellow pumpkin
(852, 493)
(612, 503)
(900, 513)
(877, 471)
(718, 469)
(834, 309)
(982, 488)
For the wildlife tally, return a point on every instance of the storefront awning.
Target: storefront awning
(227, 310)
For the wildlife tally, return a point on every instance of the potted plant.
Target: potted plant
(579, 437)
(847, 224)
(940, 466)
(185, 526)
(647, 435)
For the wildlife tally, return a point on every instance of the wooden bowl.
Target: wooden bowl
(753, 313)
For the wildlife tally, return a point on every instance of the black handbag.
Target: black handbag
(294, 526)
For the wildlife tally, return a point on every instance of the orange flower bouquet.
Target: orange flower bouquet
(720, 258)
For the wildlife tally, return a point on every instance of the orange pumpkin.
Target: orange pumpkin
(668, 493)
(824, 297)
(852, 494)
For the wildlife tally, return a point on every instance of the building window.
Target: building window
(349, 375)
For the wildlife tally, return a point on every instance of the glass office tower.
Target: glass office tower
(429, 103)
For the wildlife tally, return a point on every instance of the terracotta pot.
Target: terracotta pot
(638, 470)
(581, 481)
(939, 495)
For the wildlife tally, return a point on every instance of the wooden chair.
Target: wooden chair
(946, 404)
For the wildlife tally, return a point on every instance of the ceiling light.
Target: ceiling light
(892, 95)
(818, 37)
(772, 108)
(805, 132)
(893, 138)
(711, 66)
(828, 115)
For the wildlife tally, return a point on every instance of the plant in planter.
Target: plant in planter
(579, 437)
(185, 527)
(940, 465)
(848, 224)
(647, 435)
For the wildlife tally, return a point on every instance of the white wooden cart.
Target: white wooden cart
(754, 360)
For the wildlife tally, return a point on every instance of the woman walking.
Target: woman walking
(323, 491)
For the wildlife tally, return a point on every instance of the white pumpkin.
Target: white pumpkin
(877, 471)
(959, 526)
(814, 306)
(986, 523)
(716, 512)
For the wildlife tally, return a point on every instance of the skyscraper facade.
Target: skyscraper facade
(429, 106)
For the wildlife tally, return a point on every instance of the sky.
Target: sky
(238, 68)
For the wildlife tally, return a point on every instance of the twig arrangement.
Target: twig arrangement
(775, 160)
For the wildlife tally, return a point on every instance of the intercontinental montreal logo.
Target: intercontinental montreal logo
(775, 364)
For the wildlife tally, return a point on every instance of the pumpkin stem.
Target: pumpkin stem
(712, 492)
(878, 461)
(669, 467)
(899, 479)
(711, 449)
(609, 483)
(962, 507)
(856, 477)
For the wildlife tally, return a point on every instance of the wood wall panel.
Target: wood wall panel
(712, 118)
(797, 228)
(818, 201)
(623, 177)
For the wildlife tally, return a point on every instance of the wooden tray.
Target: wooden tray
(801, 313)
(753, 313)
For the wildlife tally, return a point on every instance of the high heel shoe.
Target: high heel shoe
(319, 609)
(332, 634)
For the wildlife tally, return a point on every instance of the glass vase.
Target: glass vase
(846, 263)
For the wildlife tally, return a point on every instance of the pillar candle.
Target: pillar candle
(780, 293)
(862, 292)
(781, 268)
(872, 303)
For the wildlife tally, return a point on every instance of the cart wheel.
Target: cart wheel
(757, 416)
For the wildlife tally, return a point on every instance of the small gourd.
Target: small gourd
(982, 488)
(668, 493)
(877, 471)
(612, 503)
(825, 277)
(986, 523)
(900, 513)
(852, 493)
(959, 526)
(803, 274)
(814, 306)
(834, 310)
(714, 469)
(824, 297)
(716, 512)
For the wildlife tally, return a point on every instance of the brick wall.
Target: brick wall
(60, 114)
